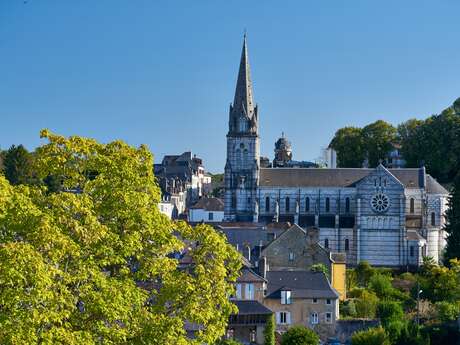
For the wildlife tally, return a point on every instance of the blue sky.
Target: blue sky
(163, 72)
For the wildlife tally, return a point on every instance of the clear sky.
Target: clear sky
(163, 72)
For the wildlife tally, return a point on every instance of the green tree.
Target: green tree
(452, 226)
(269, 331)
(366, 305)
(391, 316)
(412, 148)
(372, 336)
(98, 266)
(378, 138)
(381, 285)
(17, 162)
(299, 335)
(228, 342)
(349, 144)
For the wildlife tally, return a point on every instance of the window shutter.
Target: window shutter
(238, 291)
(288, 318)
(277, 317)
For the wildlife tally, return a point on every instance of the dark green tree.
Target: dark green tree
(299, 335)
(378, 138)
(453, 223)
(269, 332)
(17, 164)
(348, 142)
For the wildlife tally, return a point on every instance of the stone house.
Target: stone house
(302, 298)
(299, 249)
(208, 210)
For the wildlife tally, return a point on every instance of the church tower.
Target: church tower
(242, 165)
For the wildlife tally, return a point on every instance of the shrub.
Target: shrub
(366, 305)
(372, 336)
(381, 285)
(299, 335)
(228, 342)
(269, 332)
(447, 311)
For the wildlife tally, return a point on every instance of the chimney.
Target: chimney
(263, 266)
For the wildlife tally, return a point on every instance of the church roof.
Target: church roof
(340, 177)
(243, 102)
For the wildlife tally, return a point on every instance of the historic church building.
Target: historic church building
(389, 217)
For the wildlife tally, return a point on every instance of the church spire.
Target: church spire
(243, 104)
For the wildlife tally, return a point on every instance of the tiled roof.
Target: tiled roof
(209, 204)
(302, 284)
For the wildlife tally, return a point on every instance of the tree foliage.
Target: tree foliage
(372, 336)
(452, 226)
(299, 335)
(96, 263)
(349, 144)
(269, 331)
(17, 165)
(378, 138)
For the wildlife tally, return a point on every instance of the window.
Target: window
(347, 205)
(249, 291)
(267, 204)
(238, 291)
(283, 318)
(411, 251)
(433, 219)
(287, 204)
(328, 301)
(326, 243)
(307, 204)
(210, 216)
(347, 245)
(291, 256)
(285, 297)
(328, 317)
(252, 336)
(230, 333)
(314, 318)
(412, 205)
(328, 206)
(315, 300)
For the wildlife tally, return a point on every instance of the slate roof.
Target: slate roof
(251, 307)
(249, 276)
(340, 177)
(209, 204)
(413, 235)
(302, 284)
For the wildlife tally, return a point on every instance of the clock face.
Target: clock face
(380, 202)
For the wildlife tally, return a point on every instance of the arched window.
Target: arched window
(326, 243)
(307, 204)
(412, 205)
(347, 245)
(433, 219)
(267, 204)
(328, 206)
(287, 204)
(347, 205)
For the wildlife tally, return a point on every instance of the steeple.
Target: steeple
(243, 103)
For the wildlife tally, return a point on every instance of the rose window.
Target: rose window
(380, 202)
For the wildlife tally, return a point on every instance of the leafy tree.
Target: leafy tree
(349, 144)
(452, 227)
(440, 283)
(366, 304)
(17, 162)
(381, 285)
(299, 335)
(409, 136)
(410, 335)
(447, 311)
(269, 331)
(391, 316)
(372, 336)
(378, 138)
(98, 266)
(364, 272)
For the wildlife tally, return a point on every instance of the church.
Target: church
(388, 217)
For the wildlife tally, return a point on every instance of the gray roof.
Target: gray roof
(302, 284)
(249, 276)
(341, 177)
(209, 204)
(251, 307)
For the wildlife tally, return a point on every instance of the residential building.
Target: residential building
(365, 213)
(208, 210)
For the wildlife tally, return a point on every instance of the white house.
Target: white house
(207, 210)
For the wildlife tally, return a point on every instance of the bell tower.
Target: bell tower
(242, 165)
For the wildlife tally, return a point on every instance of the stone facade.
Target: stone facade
(365, 213)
